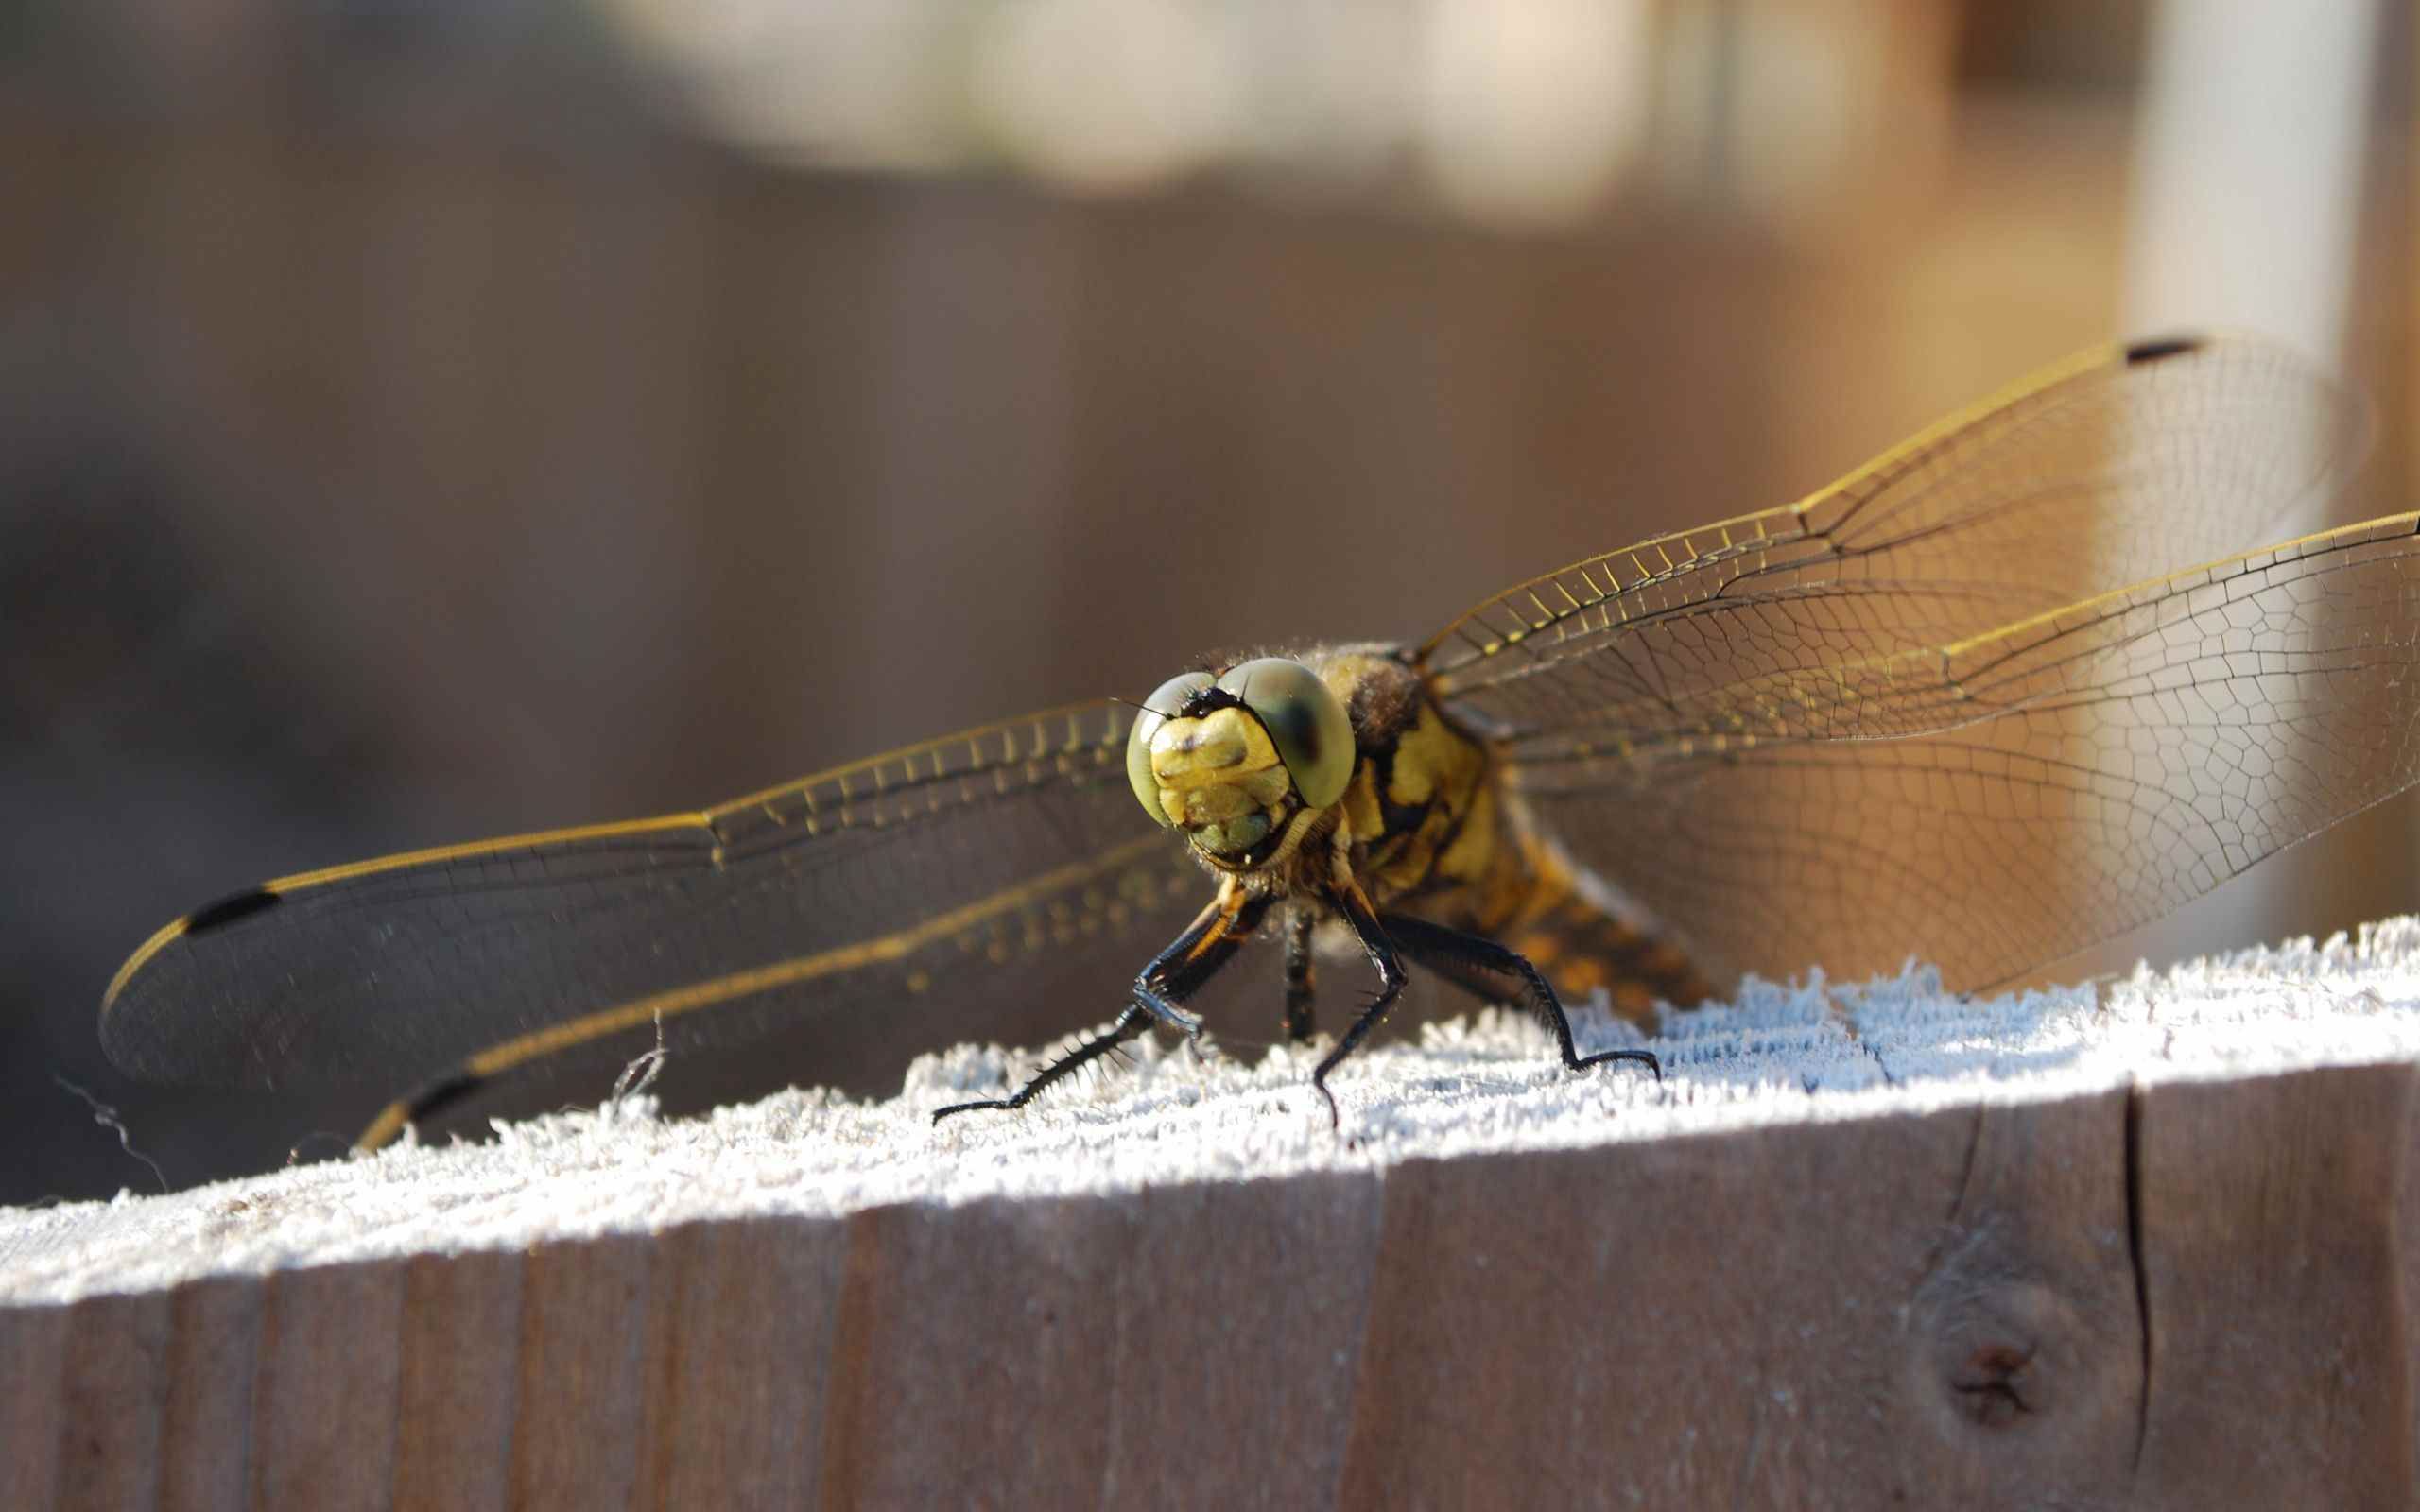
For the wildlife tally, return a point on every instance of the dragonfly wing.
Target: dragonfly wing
(1004, 874)
(2043, 787)
(2119, 465)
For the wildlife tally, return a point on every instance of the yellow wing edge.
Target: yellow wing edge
(2379, 527)
(278, 887)
(2019, 633)
(1757, 524)
(597, 1025)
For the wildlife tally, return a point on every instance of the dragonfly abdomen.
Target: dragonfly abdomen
(1538, 904)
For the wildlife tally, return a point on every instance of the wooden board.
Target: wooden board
(2166, 1290)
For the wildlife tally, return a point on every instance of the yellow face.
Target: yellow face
(1220, 780)
(1233, 759)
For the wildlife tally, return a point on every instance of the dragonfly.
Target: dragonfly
(2010, 689)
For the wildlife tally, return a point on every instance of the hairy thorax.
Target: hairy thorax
(1429, 830)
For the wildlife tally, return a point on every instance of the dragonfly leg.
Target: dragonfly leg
(1176, 973)
(1196, 956)
(1354, 904)
(1479, 962)
(1299, 986)
(1131, 1024)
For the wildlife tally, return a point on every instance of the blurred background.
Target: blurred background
(424, 418)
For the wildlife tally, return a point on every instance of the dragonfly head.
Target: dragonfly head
(1232, 759)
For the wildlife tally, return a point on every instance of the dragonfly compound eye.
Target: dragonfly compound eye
(1304, 721)
(1166, 703)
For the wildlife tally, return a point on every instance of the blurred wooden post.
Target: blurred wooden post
(2245, 214)
(2186, 1295)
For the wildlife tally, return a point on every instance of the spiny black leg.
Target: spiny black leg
(1349, 902)
(1176, 973)
(1129, 1024)
(1299, 986)
(1472, 960)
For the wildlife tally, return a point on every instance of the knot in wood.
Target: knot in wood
(1989, 1351)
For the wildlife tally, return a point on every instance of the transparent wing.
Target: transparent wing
(1825, 734)
(2038, 789)
(1004, 872)
(2118, 465)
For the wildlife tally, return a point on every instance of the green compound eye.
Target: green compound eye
(1160, 707)
(1304, 721)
